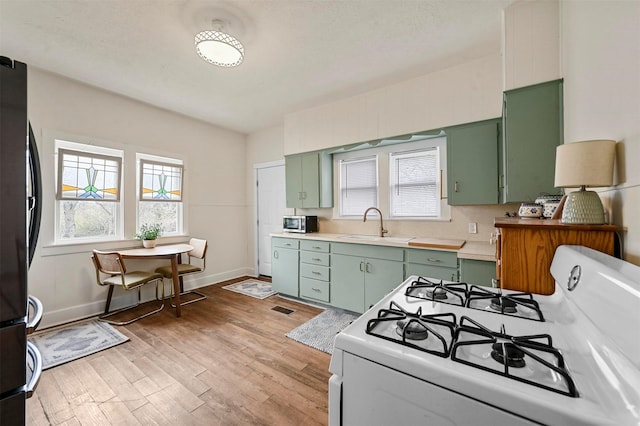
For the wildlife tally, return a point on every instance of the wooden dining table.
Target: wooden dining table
(170, 251)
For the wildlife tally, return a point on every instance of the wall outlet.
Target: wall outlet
(473, 228)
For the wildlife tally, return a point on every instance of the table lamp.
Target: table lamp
(580, 165)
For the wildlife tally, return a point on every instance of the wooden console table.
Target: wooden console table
(525, 249)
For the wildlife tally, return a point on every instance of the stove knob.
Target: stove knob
(574, 278)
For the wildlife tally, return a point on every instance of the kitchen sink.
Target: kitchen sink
(358, 237)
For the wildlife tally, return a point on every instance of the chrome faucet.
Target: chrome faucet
(382, 230)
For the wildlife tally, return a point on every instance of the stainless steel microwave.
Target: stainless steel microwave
(300, 224)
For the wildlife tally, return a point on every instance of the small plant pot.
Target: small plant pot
(149, 243)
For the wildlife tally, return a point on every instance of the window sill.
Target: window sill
(74, 248)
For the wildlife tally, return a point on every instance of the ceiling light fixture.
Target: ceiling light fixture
(218, 47)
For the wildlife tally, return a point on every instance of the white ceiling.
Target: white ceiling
(298, 53)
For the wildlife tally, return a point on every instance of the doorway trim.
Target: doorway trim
(256, 166)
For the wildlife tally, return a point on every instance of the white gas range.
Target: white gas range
(433, 352)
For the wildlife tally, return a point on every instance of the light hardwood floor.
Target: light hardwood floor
(225, 361)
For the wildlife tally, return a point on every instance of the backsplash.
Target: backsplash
(457, 228)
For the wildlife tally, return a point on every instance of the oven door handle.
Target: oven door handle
(35, 306)
(34, 353)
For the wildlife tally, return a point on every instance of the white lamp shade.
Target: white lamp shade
(587, 163)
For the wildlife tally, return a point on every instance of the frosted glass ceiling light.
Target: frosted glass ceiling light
(218, 47)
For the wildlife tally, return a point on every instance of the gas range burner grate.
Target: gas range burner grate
(529, 359)
(521, 305)
(428, 333)
(451, 293)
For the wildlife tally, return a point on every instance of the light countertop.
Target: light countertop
(474, 250)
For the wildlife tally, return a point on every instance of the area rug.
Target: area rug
(253, 288)
(70, 342)
(320, 331)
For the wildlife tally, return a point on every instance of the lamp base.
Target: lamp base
(583, 207)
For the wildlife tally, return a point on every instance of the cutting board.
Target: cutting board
(437, 243)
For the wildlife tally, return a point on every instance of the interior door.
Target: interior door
(271, 206)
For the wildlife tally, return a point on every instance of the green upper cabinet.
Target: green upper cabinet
(533, 128)
(472, 163)
(309, 180)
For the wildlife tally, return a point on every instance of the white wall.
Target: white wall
(531, 43)
(215, 205)
(601, 64)
(471, 91)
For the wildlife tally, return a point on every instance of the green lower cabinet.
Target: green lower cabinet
(347, 282)
(357, 283)
(479, 272)
(441, 265)
(380, 277)
(428, 271)
(284, 270)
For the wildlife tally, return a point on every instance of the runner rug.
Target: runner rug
(320, 331)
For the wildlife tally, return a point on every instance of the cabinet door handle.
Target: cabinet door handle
(299, 195)
(368, 268)
(316, 247)
(453, 277)
(304, 195)
(455, 187)
(275, 254)
(315, 259)
(431, 259)
(361, 266)
(287, 244)
(317, 290)
(316, 273)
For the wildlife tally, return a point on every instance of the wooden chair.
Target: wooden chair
(111, 265)
(199, 252)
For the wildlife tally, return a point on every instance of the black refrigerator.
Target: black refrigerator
(20, 210)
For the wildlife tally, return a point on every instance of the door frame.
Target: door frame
(256, 167)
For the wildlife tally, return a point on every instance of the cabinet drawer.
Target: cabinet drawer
(428, 271)
(291, 243)
(314, 289)
(314, 271)
(433, 257)
(369, 251)
(319, 246)
(314, 258)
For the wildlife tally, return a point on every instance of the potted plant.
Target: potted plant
(149, 235)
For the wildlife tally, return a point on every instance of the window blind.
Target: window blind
(358, 185)
(415, 183)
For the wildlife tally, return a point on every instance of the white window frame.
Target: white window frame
(90, 149)
(384, 179)
(143, 157)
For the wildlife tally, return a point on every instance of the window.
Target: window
(160, 193)
(358, 185)
(405, 180)
(88, 192)
(414, 185)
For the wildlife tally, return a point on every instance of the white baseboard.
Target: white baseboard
(52, 318)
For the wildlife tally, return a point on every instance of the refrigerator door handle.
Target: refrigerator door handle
(35, 307)
(36, 357)
(35, 201)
